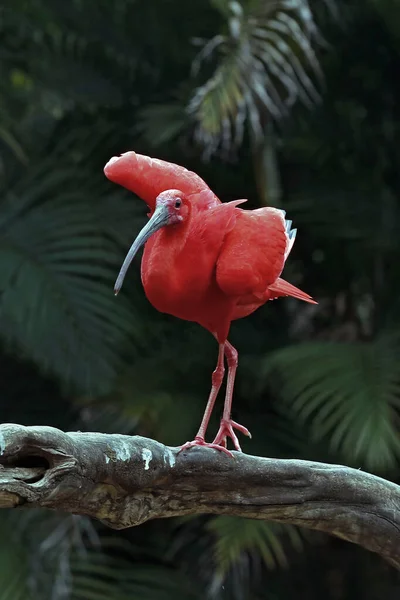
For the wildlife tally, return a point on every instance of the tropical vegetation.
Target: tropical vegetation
(290, 103)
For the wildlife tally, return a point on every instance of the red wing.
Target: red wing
(205, 237)
(147, 177)
(253, 253)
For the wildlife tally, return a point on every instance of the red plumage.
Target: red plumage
(205, 261)
(147, 177)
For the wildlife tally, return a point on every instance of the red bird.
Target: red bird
(205, 261)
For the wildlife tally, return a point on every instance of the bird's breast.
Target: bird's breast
(170, 292)
(182, 282)
(174, 282)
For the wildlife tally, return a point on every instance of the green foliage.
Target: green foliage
(235, 537)
(262, 70)
(14, 570)
(349, 393)
(84, 80)
(54, 556)
(160, 123)
(58, 259)
(102, 577)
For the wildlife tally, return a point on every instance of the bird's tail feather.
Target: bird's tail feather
(283, 288)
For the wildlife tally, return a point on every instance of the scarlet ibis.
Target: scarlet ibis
(205, 261)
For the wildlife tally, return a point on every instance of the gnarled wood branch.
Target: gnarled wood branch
(124, 481)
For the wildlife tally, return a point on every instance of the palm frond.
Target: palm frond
(119, 571)
(58, 259)
(262, 69)
(55, 540)
(349, 393)
(236, 538)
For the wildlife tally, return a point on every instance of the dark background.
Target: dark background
(314, 86)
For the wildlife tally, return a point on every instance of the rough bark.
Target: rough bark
(124, 481)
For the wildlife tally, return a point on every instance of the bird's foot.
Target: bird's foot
(226, 430)
(199, 441)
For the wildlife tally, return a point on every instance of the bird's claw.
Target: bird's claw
(226, 430)
(198, 441)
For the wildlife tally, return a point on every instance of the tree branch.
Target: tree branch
(124, 481)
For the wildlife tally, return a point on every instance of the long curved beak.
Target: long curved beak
(158, 220)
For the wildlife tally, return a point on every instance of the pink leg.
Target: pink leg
(217, 378)
(228, 426)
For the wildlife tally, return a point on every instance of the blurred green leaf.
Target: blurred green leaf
(349, 392)
(235, 537)
(87, 79)
(58, 262)
(262, 69)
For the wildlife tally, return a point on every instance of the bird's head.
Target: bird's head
(171, 208)
(174, 204)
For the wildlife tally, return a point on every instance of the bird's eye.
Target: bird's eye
(178, 203)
